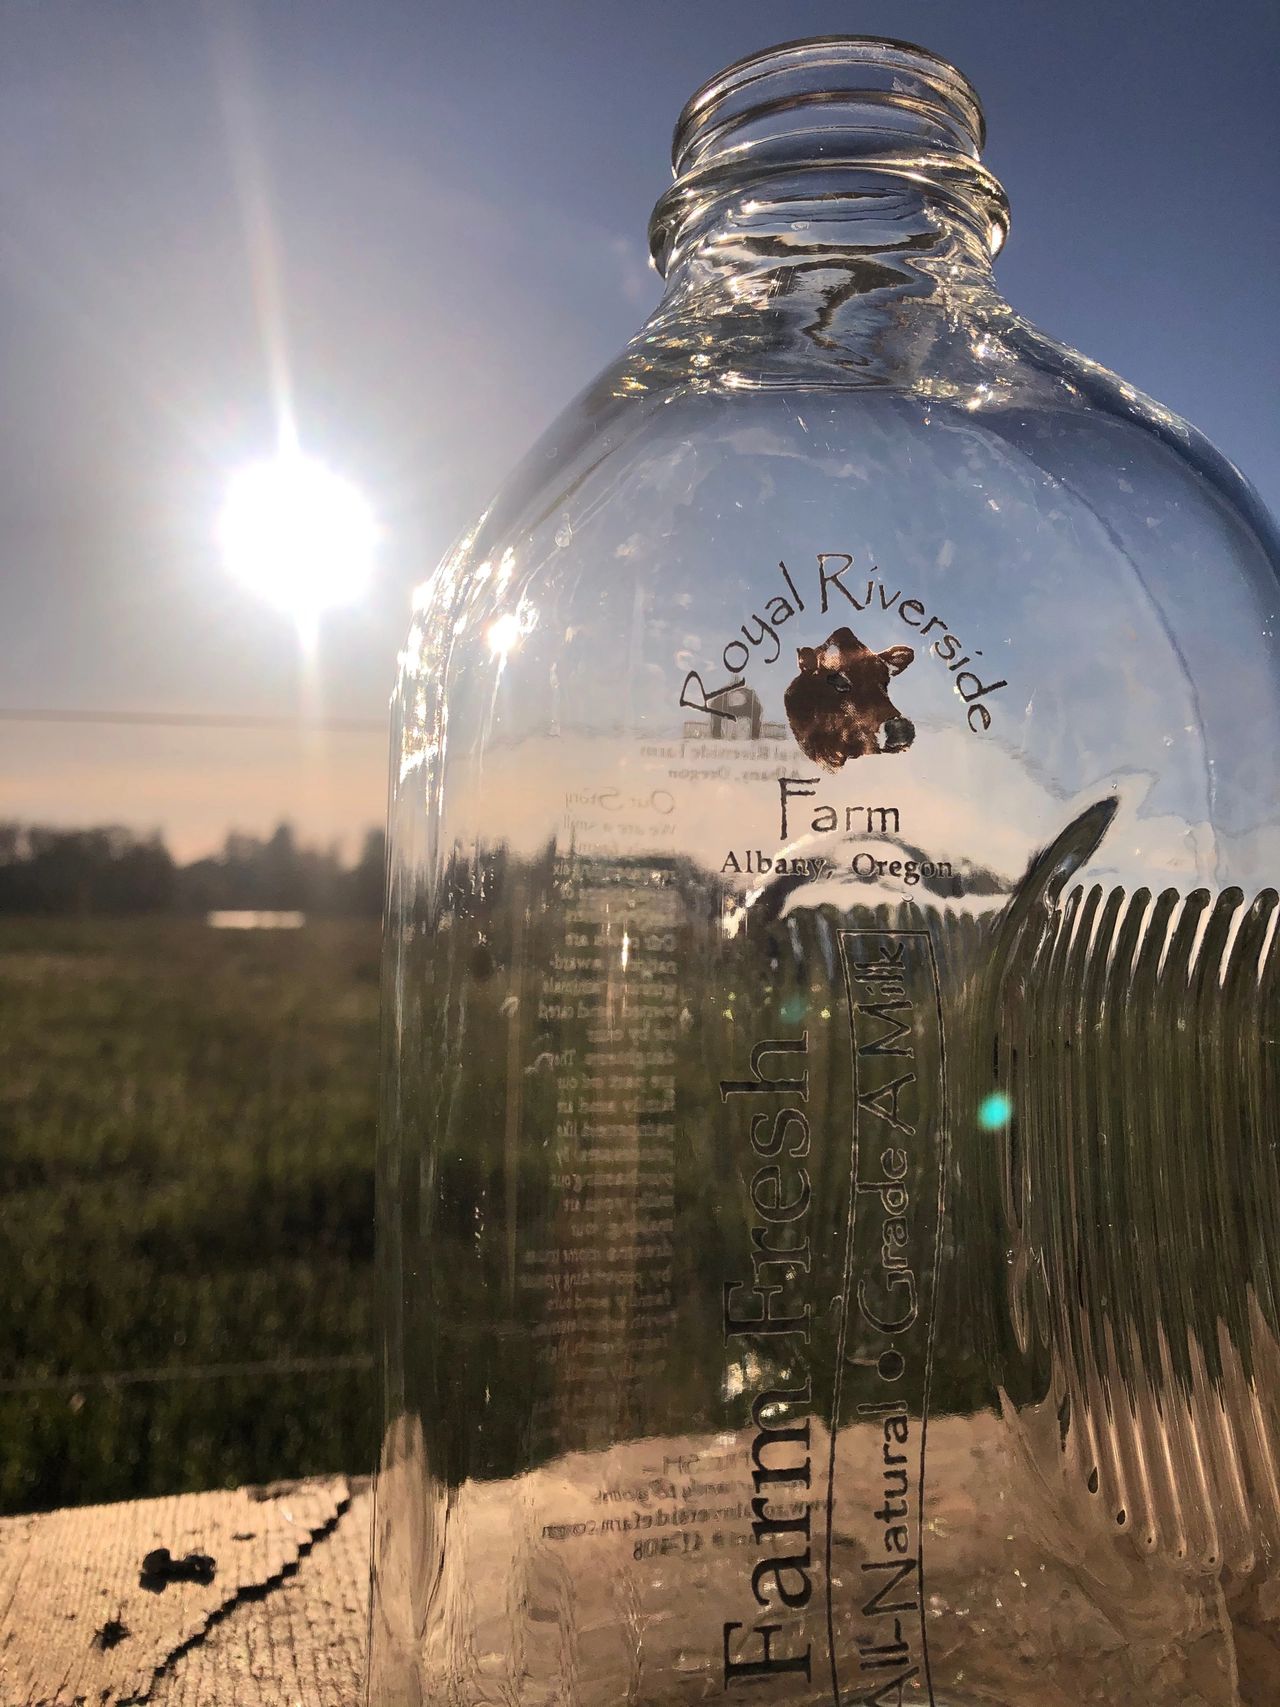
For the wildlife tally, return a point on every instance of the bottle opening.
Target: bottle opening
(826, 102)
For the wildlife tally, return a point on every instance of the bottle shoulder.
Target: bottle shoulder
(1123, 421)
(998, 395)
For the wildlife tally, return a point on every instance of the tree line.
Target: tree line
(111, 870)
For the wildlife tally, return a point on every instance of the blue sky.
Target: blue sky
(447, 206)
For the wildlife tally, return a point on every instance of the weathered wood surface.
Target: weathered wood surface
(282, 1622)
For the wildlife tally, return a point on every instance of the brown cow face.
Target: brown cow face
(838, 705)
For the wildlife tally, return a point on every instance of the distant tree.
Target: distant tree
(143, 878)
(106, 870)
(280, 870)
(202, 887)
(367, 879)
(111, 870)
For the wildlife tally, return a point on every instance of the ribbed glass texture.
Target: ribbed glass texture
(828, 1183)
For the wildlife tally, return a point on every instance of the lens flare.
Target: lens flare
(995, 1111)
(504, 634)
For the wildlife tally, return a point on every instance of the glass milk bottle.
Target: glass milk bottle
(828, 1185)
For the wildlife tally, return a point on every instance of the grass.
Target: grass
(186, 1183)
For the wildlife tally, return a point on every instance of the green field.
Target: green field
(186, 1188)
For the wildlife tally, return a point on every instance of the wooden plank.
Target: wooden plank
(301, 1644)
(82, 1620)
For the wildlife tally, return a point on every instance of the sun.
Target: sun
(298, 535)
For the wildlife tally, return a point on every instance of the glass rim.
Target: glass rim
(860, 49)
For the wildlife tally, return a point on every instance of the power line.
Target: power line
(192, 1372)
(197, 720)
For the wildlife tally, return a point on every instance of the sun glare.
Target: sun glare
(503, 634)
(298, 535)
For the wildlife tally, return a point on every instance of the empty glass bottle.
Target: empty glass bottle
(830, 1206)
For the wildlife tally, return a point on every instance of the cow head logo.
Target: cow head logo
(838, 704)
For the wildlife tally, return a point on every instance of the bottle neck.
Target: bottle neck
(857, 275)
(824, 193)
(881, 225)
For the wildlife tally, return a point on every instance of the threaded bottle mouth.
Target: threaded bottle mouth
(828, 101)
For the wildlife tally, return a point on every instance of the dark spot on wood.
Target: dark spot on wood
(160, 1568)
(112, 1633)
(245, 1535)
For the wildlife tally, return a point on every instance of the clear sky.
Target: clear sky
(430, 218)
